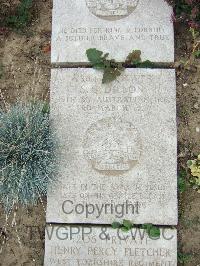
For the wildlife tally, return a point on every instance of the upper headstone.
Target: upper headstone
(116, 27)
(118, 146)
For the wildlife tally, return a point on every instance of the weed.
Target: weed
(196, 42)
(195, 50)
(194, 166)
(183, 257)
(1, 71)
(111, 68)
(152, 230)
(182, 185)
(189, 11)
(22, 16)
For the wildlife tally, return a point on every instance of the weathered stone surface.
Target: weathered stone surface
(117, 146)
(92, 246)
(118, 29)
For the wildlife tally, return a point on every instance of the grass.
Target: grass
(27, 158)
(184, 258)
(21, 17)
(182, 185)
(1, 70)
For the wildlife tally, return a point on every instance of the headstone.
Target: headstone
(117, 147)
(116, 27)
(95, 246)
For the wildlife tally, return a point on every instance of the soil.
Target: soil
(25, 72)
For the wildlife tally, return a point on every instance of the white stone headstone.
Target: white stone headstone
(116, 27)
(96, 246)
(118, 147)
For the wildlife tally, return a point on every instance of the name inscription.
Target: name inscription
(134, 248)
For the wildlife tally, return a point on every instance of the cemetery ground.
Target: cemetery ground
(25, 73)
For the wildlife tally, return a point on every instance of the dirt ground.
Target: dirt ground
(25, 70)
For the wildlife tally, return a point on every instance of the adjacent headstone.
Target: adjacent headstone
(95, 246)
(116, 27)
(117, 147)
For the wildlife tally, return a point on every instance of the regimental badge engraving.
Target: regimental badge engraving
(112, 9)
(112, 146)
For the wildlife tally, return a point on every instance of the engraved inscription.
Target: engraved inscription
(120, 34)
(123, 130)
(102, 246)
(112, 146)
(111, 9)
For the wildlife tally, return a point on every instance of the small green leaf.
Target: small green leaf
(124, 229)
(1, 71)
(181, 184)
(46, 108)
(99, 66)
(146, 64)
(197, 54)
(110, 74)
(116, 225)
(145, 226)
(189, 163)
(153, 232)
(183, 257)
(134, 57)
(127, 224)
(94, 56)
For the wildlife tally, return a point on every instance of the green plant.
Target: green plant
(112, 69)
(1, 71)
(22, 16)
(125, 226)
(182, 185)
(194, 166)
(27, 154)
(189, 11)
(134, 60)
(152, 230)
(195, 50)
(183, 257)
(196, 42)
